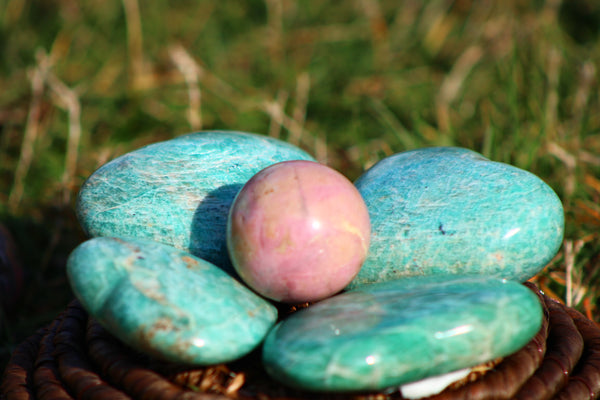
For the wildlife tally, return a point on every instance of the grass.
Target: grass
(351, 82)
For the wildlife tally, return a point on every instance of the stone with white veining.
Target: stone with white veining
(166, 302)
(448, 210)
(178, 191)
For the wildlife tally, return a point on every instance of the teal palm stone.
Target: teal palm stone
(166, 302)
(178, 191)
(449, 210)
(391, 333)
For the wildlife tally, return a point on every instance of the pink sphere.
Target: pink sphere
(298, 231)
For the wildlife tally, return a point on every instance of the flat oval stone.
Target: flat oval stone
(166, 302)
(179, 191)
(448, 210)
(391, 333)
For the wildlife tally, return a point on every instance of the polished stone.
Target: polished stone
(388, 334)
(166, 302)
(298, 231)
(449, 210)
(178, 191)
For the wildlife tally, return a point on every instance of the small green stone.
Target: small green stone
(166, 302)
(392, 333)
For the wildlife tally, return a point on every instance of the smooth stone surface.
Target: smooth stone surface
(298, 231)
(166, 302)
(178, 191)
(448, 210)
(392, 333)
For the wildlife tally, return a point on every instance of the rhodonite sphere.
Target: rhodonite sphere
(298, 231)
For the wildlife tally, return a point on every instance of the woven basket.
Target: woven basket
(75, 358)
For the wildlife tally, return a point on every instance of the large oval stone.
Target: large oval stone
(178, 191)
(166, 302)
(391, 333)
(451, 211)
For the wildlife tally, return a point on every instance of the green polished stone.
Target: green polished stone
(166, 302)
(388, 334)
(449, 210)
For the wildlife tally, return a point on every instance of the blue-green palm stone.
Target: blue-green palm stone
(448, 210)
(178, 191)
(166, 302)
(391, 333)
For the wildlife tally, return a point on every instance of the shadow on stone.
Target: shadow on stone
(209, 226)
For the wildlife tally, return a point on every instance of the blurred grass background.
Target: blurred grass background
(351, 82)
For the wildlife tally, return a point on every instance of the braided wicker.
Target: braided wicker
(75, 358)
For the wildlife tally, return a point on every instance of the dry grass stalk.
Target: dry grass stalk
(570, 162)
(587, 213)
(387, 116)
(38, 76)
(299, 113)
(593, 183)
(589, 158)
(551, 108)
(69, 101)
(569, 262)
(580, 103)
(320, 146)
(379, 32)
(274, 35)
(276, 110)
(140, 77)
(582, 95)
(574, 287)
(192, 73)
(210, 81)
(439, 24)
(453, 82)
